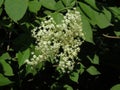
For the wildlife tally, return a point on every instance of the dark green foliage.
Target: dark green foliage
(99, 67)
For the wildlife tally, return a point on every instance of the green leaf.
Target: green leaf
(67, 87)
(4, 56)
(115, 11)
(4, 81)
(74, 76)
(92, 3)
(49, 4)
(95, 60)
(93, 71)
(107, 14)
(59, 5)
(34, 6)
(22, 56)
(82, 69)
(58, 17)
(6, 67)
(90, 13)
(102, 21)
(116, 87)
(1, 2)
(117, 33)
(87, 30)
(98, 18)
(47, 12)
(68, 2)
(30, 70)
(16, 8)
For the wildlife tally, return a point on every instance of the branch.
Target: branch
(112, 37)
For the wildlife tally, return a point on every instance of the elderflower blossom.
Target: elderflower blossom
(58, 42)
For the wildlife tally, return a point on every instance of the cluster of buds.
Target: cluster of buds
(58, 43)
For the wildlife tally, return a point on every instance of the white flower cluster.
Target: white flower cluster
(58, 43)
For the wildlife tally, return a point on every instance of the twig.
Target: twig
(112, 37)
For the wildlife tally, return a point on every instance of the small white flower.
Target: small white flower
(55, 41)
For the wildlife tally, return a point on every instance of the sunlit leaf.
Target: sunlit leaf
(93, 71)
(115, 11)
(68, 2)
(47, 12)
(95, 60)
(82, 69)
(6, 67)
(116, 87)
(67, 87)
(22, 56)
(87, 30)
(5, 56)
(16, 8)
(34, 6)
(30, 70)
(4, 80)
(101, 20)
(59, 5)
(117, 33)
(87, 10)
(92, 3)
(58, 17)
(49, 4)
(98, 18)
(107, 14)
(74, 76)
